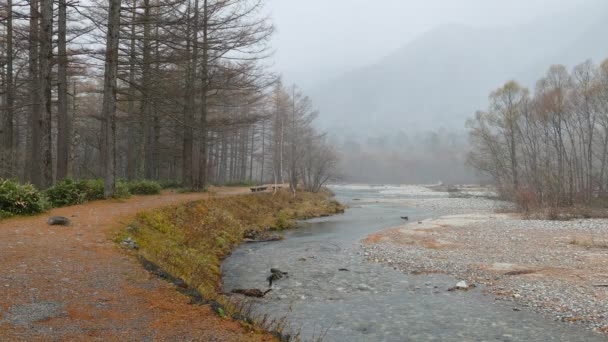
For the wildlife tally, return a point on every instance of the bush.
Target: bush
(170, 184)
(122, 190)
(20, 199)
(144, 187)
(69, 192)
(283, 221)
(93, 189)
(241, 183)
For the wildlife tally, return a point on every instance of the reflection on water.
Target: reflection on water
(371, 302)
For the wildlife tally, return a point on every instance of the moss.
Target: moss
(189, 241)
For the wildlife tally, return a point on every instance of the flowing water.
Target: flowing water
(372, 302)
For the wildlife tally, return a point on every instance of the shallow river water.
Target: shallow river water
(372, 302)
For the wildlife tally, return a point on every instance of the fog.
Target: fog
(317, 39)
(391, 71)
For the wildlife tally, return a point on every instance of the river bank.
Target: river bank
(186, 244)
(555, 268)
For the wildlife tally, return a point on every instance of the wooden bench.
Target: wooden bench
(261, 188)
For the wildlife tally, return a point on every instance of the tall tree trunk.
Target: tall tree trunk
(156, 116)
(7, 153)
(224, 162)
(146, 105)
(202, 177)
(109, 98)
(134, 122)
(263, 152)
(190, 103)
(46, 59)
(251, 152)
(604, 160)
(63, 120)
(34, 158)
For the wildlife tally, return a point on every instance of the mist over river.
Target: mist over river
(369, 301)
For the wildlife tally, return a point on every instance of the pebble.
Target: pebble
(364, 287)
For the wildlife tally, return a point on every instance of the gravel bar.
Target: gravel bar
(557, 268)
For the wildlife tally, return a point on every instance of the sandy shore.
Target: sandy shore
(556, 268)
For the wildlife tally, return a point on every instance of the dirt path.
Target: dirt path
(74, 283)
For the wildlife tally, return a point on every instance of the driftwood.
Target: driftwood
(600, 285)
(251, 292)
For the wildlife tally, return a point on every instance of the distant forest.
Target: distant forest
(422, 157)
(548, 147)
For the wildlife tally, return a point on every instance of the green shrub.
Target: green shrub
(66, 192)
(144, 187)
(122, 190)
(170, 184)
(20, 199)
(241, 183)
(5, 214)
(93, 189)
(283, 221)
(69, 192)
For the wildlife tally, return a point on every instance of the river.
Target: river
(373, 302)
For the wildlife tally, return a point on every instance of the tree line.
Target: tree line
(150, 89)
(548, 147)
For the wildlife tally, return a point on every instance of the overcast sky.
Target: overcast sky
(321, 38)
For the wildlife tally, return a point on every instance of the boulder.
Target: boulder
(59, 221)
(130, 243)
(462, 285)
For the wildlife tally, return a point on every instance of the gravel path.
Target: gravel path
(556, 268)
(75, 284)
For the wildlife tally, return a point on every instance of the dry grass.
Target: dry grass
(554, 213)
(520, 272)
(589, 242)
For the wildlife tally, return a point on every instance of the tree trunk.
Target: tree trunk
(46, 66)
(251, 152)
(146, 105)
(263, 156)
(156, 117)
(134, 122)
(34, 158)
(202, 177)
(7, 153)
(188, 138)
(109, 98)
(63, 120)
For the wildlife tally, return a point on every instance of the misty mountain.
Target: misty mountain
(445, 75)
